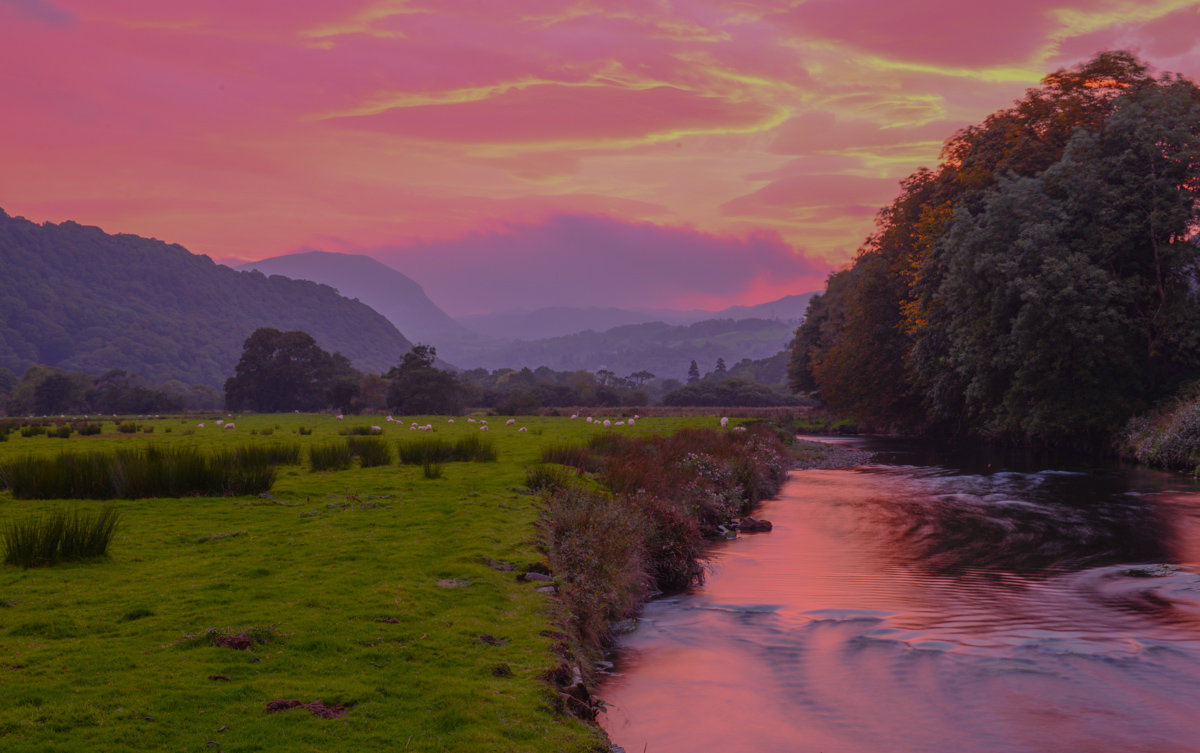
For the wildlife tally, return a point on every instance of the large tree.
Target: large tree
(418, 387)
(280, 371)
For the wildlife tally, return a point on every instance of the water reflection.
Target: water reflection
(920, 608)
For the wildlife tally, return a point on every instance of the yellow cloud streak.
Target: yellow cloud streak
(1079, 22)
(364, 22)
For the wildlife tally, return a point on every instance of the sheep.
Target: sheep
(589, 419)
(619, 423)
(510, 422)
(339, 417)
(483, 428)
(199, 426)
(607, 423)
(630, 421)
(450, 420)
(574, 416)
(229, 425)
(739, 428)
(470, 420)
(220, 421)
(521, 430)
(724, 421)
(377, 429)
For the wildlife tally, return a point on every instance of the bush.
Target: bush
(59, 536)
(127, 427)
(576, 456)
(304, 431)
(432, 470)
(32, 430)
(370, 451)
(548, 477)
(62, 432)
(330, 456)
(87, 429)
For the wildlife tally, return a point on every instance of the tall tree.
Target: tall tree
(280, 371)
(420, 388)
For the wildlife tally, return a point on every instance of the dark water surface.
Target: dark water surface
(915, 607)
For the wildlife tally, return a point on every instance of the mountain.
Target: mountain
(558, 321)
(398, 297)
(666, 350)
(80, 299)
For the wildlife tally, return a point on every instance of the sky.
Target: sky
(516, 154)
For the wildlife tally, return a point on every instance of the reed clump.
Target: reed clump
(59, 536)
(371, 451)
(422, 450)
(147, 472)
(330, 456)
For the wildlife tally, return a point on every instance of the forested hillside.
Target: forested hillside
(1040, 285)
(76, 298)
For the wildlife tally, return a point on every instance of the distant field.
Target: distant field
(373, 589)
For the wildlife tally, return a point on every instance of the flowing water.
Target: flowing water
(914, 607)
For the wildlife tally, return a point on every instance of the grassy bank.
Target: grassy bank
(385, 604)
(1167, 438)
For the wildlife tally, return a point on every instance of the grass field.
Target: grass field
(375, 589)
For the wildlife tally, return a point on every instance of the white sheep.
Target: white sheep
(470, 420)
(619, 423)
(450, 420)
(574, 416)
(199, 426)
(229, 425)
(483, 428)
(427, 427)
(339, 417)
(630, 421)
(589, 419)
(724, 421)
(739, 428)
(510, 422)
(220, 421)
(521, 430)
(607, 423)
(377, 428)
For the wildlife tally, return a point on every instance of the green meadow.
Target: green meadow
(384, 596)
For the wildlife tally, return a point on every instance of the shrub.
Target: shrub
(370, 451)
(59, 536)
(330, 456)
(304, 431)
(127, 427)
(548, 477)
(432, 470)
(363, 431)
(32, 430)
(576, 456)
(61, 432)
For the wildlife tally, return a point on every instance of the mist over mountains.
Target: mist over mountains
(663, 341)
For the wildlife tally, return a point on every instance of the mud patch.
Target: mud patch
(318, 708)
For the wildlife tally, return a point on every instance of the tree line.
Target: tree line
(1040, 285)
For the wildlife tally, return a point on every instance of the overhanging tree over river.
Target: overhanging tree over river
(1041, 283)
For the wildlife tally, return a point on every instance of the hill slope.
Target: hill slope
(395, 295)
(78, 298)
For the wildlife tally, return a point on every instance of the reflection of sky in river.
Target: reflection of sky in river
(916, 609)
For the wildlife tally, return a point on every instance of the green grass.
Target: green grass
(375, 581)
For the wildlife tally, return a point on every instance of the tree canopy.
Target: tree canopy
(281, 371)
(1041, 283)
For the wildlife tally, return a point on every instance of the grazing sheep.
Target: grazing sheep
(739, 428)
(574, 416)
(483, 428)
(450, 420)
(630, 422)
(339, 417)
(724, 421)
(607, 423)
(521, 430)
(589, 419)
(619, 423)
(229, 425)
(220, 421)
(510, 422)
(199, 426)
(470, 420)
(376, 428)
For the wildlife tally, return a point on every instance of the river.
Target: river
(919, 604)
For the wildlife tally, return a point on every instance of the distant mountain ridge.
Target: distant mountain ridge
(395, 295)
(77, 298)
(559, 321)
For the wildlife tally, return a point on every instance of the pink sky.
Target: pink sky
(747, 143)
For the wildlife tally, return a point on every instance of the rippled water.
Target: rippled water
(919, 608)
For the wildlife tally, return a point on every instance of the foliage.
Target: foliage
(59, 536)
(418, 387)
(370, 451)
(728, 392)
(281, 371)
(1167, 438)
(1040, 284)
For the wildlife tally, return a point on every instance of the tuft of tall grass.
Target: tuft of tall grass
(59, 536)
(576, 456)
(139, 473)
(370, 451)
(432, 470)
(421, 450)
(330, 456)
(127, 427)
